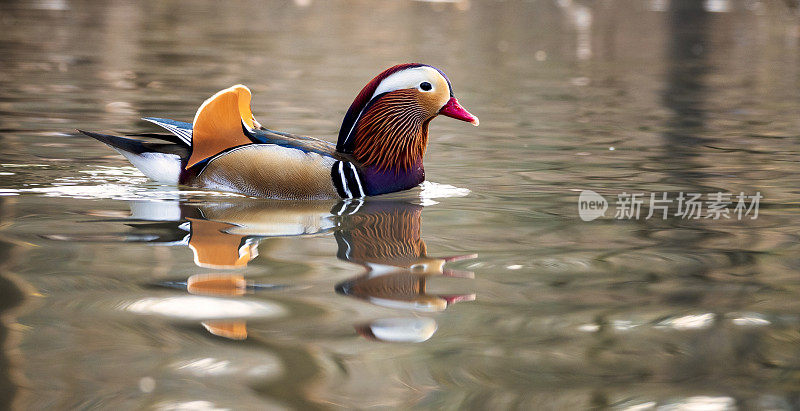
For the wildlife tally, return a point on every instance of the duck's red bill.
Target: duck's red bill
(454, 110)
(457, 298)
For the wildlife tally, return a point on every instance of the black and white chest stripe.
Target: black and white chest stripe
(346, 180)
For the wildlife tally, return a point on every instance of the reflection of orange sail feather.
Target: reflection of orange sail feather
(234, 330)
(215, 284)
(220, 285)
(214, 248)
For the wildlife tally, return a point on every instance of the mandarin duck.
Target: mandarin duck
(379, 150)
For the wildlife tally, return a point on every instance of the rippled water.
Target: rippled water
(483, 289)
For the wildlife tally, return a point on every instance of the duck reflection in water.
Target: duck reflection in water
(384, 237)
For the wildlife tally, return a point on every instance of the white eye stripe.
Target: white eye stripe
(408, 78)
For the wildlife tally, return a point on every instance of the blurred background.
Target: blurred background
(118, 292)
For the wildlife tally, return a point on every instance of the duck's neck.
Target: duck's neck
(377, 181)
(390, 141)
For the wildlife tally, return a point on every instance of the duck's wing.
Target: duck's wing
(182, 134)
(295, 141)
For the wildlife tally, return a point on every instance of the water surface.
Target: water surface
(482, 290)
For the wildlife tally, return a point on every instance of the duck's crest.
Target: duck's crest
(221, 123)
(346, 141)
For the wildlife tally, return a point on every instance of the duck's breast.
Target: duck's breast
(269, 170)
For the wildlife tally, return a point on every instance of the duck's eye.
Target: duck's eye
(425, 86)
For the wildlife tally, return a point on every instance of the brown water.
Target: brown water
(118, 293)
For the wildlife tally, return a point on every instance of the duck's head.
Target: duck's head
(386, 127)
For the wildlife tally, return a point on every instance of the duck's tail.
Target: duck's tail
(160, 161)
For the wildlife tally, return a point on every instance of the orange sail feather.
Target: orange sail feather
(218, 123)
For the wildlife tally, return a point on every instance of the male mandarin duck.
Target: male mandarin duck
(380, 147)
